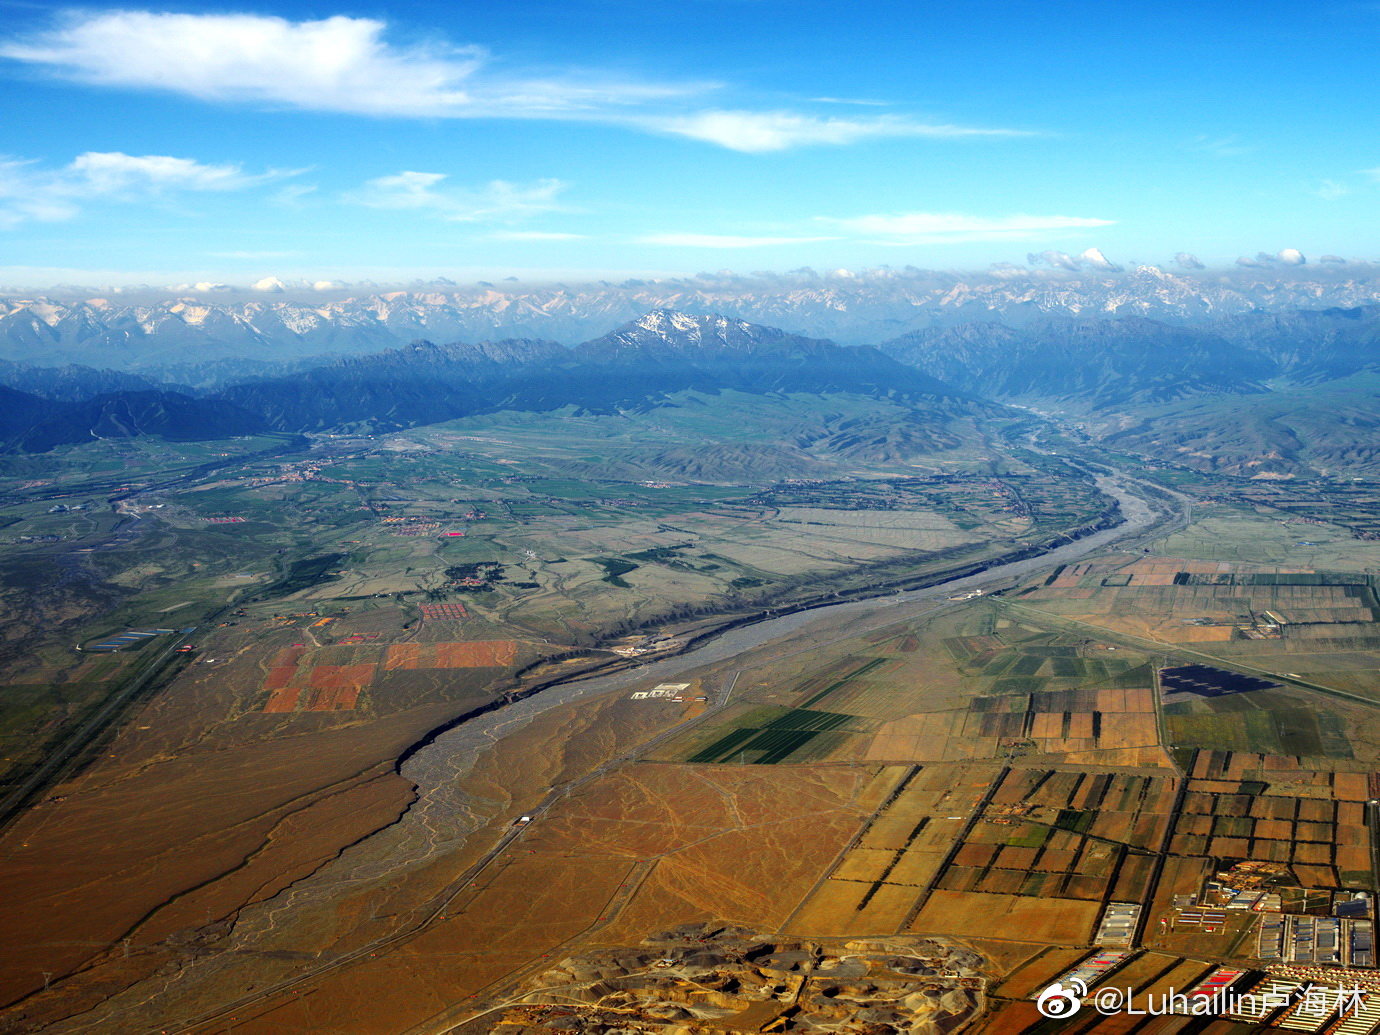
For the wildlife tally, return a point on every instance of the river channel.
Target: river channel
(445, 815)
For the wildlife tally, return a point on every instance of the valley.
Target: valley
(730, 518)
(339, 601)
(476, 681)
(397, 665)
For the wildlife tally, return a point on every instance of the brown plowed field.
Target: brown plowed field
(340, 677)
(1049, 920)
(283, 700)
(473, 654)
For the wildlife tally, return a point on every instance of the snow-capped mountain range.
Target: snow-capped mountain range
(168, 334)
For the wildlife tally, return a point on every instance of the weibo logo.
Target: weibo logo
(1059, 1001)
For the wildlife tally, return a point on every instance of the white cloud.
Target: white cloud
(1188, 261)
(496, 201)
(30, 192)
(859, 101)
(761, 131)
(1060, 260)
(338, 64)
(723, 240)
(1291, 257)
(935, 227)
(346, 64)
(1094, 259)
(111, 172)
(272, 285)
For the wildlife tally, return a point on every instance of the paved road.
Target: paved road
(15, 802)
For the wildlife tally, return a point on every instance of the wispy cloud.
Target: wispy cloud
(724, 240)
(860, 101)
(347, 65)
(29, 191)
(1331, 190)
(535, 235)
(254, 255)
(1220, 147)
(496, 201)
(907, 229)
(338, 64)
(291, 195)
(759, 131)
(937, 227)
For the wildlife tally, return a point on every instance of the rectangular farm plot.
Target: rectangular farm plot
(280, 675)
(284, 699)
(897, 854)
(322, 688)
(1072, 722)
(339, 677)
(471, 654)
(1045, 920)
(295, 687)
(452, 611)
(1290, 824)
(1063, 835)
(332, 699)
(767, 735)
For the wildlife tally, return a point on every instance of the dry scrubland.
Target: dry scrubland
(991, 772)
(342, 601)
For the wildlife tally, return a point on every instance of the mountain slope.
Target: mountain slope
(1332, 429)
(665, 351)
(1097, 364)
(640, 365)
(72, 383)
(1309, 346)
(30, 424)
(420, 384)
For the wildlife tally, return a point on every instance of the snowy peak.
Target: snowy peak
(670, 332)
(186, 328)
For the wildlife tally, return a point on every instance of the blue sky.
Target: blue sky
(335, 142)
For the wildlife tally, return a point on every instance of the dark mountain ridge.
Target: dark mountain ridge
(1096, 363)
(30, 424)
(421, 383)
(646, 361)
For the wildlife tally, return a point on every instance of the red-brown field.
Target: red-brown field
(475, 654)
